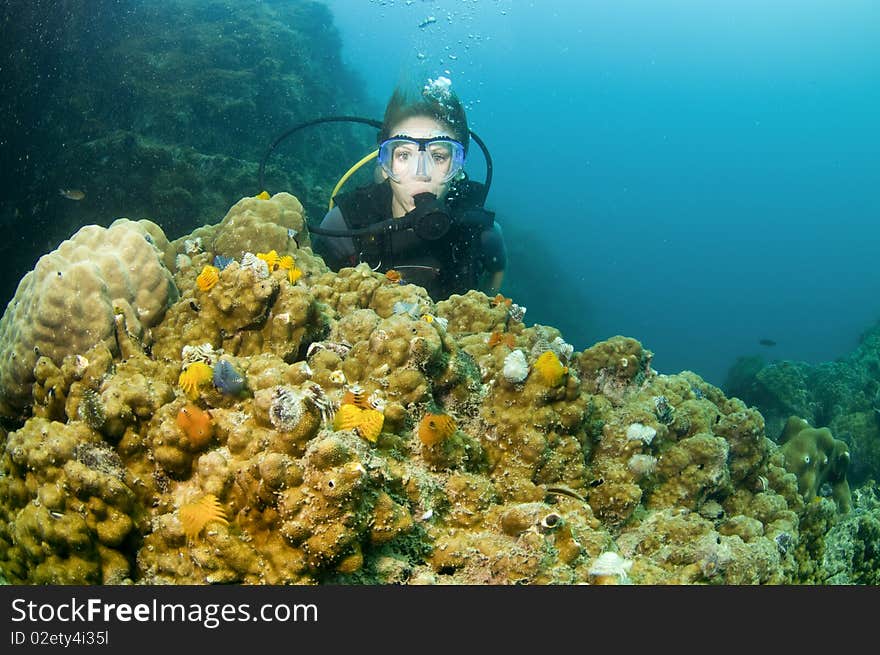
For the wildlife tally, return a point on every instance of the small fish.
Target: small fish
(561, 490)
(767, 342)
(431, 269)
(428, 21)
(72, 194)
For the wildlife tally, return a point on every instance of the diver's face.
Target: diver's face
(409, 184)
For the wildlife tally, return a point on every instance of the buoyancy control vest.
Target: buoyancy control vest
(444, 266)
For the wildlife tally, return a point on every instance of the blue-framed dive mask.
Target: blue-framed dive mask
(438, 159)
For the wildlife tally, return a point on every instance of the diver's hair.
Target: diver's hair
(444, 107)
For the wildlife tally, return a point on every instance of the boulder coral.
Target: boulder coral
(818, 460)
(460, 476)
(75, 297)
(842, 395)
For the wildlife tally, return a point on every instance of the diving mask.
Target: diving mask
(438, 158)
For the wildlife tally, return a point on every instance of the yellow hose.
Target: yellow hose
(351, 171)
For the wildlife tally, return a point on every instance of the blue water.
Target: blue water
(696, 175)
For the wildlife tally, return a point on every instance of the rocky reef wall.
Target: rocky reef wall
(163, 109)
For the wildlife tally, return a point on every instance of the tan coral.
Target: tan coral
(70, 522)
(255, 225)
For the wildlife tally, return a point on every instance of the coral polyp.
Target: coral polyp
(287, 408)
(365, 421)
(227, 379)
(515, 368)
(370, 424)
(434, 428)
(610, 568)
(203, 352)
(347, 417)
(209, 276)
(271, 258)
(324, 404)
(197, 424)
(356, 395)
(196, 516)
(193, 377)
(550, 369)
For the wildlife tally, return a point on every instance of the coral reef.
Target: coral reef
(843, 396)
(344, 428)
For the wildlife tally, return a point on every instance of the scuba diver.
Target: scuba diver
(422, 218)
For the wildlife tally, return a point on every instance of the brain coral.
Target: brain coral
(68, 303)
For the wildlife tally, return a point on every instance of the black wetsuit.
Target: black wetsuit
(454, 263)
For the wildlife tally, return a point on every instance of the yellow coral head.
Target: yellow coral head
(550, 369)
(209, 276)
(194, 376)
